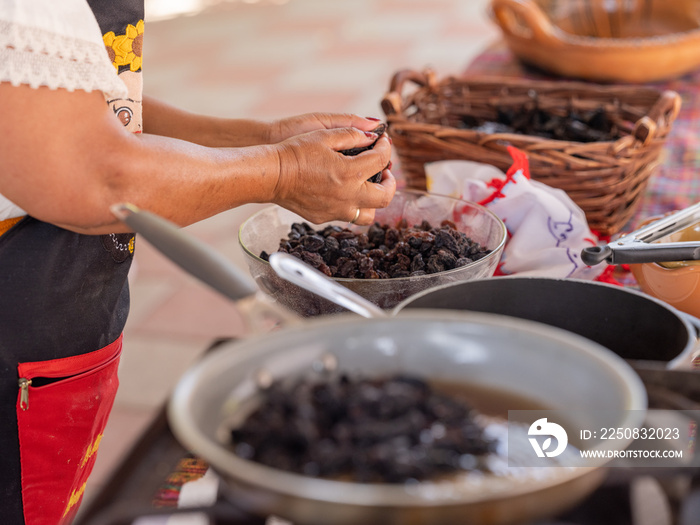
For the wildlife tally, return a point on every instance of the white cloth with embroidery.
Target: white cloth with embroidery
(57, 44)
(546, 229)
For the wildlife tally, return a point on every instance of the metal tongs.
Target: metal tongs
(639, 246)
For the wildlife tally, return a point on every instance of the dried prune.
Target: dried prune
(444, 239)
(417, 263)
(312, 258)
(387, 429)
(379, 130)
(383, 252)
(312, 243)
(346, 268)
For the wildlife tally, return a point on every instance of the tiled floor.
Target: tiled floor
(263, 59)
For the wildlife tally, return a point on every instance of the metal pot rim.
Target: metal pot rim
(691, 323)
(338, 492)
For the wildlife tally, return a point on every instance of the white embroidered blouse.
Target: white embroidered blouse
(57, 44)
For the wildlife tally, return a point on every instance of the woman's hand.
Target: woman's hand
(298, 125)
(321, 184)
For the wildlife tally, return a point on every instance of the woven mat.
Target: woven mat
(675, 184)
(188, 469)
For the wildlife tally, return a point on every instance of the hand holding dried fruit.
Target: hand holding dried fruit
(289, 127)
(319, 183)
(379, 131)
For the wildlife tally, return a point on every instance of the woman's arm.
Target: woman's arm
(168, 121)
(66, 158)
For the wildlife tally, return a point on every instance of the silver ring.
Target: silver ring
(357, 216)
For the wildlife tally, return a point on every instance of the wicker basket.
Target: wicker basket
(606, 179)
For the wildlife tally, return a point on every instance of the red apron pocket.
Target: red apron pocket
(62, 410)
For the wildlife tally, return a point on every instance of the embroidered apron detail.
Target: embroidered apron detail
(119, 245)
(62, 409)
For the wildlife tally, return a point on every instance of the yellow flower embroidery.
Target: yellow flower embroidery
(108, 39)
(126, 49)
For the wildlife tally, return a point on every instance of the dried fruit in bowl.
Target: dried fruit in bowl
(382, 252)
(384, 430)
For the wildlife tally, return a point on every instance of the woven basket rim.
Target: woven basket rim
(606, 177)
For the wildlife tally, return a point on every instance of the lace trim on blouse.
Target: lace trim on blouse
(37, 57)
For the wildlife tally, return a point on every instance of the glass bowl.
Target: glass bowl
(263, 231)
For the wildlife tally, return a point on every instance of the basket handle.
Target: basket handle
(664, 110)
(391, 102)
(530, 23)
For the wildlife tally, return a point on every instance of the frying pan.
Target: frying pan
(645, 331)
(639, 328)
(480, 349)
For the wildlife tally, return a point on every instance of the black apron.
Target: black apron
(63, 294)
(64, 300)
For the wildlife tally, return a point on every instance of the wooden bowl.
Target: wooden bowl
(604, 41)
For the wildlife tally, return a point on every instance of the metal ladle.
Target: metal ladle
(298, 272)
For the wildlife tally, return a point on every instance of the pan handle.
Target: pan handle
(305, 276)
(188, 252)
(641, 252)
(592, 255)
